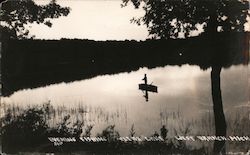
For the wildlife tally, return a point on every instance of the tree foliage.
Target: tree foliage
(15, 14)
(167, 18)
(28, 127)
(110, 133)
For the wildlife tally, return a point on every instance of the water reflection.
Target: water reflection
(184, 92)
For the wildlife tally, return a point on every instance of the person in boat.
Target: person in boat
(145, 79)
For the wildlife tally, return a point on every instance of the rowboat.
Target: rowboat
(148, 87)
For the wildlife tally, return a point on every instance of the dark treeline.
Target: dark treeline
(35, 63)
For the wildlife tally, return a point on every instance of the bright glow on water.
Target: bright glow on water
(184, 91)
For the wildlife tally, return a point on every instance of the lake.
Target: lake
(183, 100)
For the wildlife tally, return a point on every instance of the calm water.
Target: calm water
(184, 93)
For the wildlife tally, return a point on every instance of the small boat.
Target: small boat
(147, 87)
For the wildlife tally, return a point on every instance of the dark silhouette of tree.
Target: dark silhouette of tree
(169, 18)
(15, 15)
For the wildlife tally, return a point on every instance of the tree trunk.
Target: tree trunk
(219, 117)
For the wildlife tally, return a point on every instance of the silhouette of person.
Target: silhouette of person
(164, 132)
(145, 79)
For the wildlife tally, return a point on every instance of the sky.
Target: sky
(93, 19)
